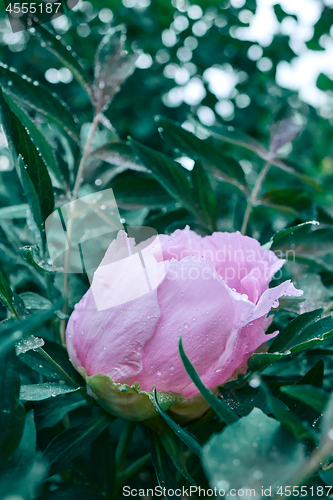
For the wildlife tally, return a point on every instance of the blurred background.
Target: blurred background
(217, 61)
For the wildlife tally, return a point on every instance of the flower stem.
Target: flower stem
(67, 377)
(311, 467)
(328, 308)
(122, 478)
(254, 195)
(123, 444)
(85, 155)
(119, 475)
(57, 367)
(135, 467)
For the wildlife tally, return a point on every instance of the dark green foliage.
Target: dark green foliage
(56, 442)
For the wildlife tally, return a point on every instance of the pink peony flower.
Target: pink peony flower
(213, 290)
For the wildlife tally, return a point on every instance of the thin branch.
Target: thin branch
(311, 467)
(254, 195)
(78, 180)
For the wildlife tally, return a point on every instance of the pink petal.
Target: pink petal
(110, 341)
(195, 302)
(270, 298)
(241, 345)
(243, 264)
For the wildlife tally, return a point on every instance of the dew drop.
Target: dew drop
(159, 373)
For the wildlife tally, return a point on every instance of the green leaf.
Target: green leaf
(6, 295)
(25, 453)
(258, 361)
(34, 301)
(171, 446)
(171, 175)
(221, 409)
(28, 344)
(14, 212)
(185, 436)
(312, 396)
(34, 215)
(35, 96)
(35, 168)
(38, 363)
(133, 190)
(119, 154)
(164, 474)
(327, 421)
(286, 126)
(311, 343)
(293, 330)
(242, 401)
(12, 413)
(52, 42)
(301, 430)
(37, 392)
(73, 442)
(327, 476)
(112, 67)
(313, 377)
(59, 354)
(13, 331)
(204, 150)
(38, 139)
(49, 413)
(252, 453)
(205, 194)
(287, 199)
(238, 138)
(291, 230)
(315, 330)
(31, 255)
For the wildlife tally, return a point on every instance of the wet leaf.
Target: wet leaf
(286, 126)
(164, 474)
(113, 65)
(185, 436)
(52, 42)
(220, 407)
(252, 453)
(37, 392)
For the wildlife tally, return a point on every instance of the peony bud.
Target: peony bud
(212, 290)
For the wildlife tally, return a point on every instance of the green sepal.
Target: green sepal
(128, 402)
